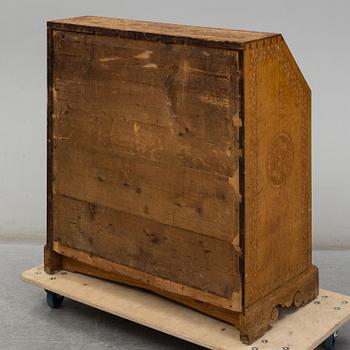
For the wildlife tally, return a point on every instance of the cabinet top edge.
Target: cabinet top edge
(225, 38)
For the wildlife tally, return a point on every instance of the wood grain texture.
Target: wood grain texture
(147, 131)
(277, 169)
(134, 29)
(170, 152)
(147, 280)
(208, 308)
(194, 260)
(175, 103)
(169, 196)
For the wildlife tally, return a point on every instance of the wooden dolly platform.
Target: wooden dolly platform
(301, 329)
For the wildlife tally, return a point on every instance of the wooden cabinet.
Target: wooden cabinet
(179, 161)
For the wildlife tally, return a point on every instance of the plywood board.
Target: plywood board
(303, 329)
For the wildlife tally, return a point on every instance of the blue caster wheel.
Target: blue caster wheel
(54, 300)
(329, 343)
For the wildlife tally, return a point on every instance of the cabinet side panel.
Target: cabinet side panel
(277, 169)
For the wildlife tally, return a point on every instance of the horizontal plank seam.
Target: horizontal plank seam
(216, 270)
(146, 36)
(159, 164)
(148, 219)
(59, 248)
(111, 79)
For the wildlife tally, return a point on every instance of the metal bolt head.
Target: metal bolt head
(285, 348)
(345, 302)
(52, 278)
(317, 302)
(255, 348)
(265, 341)
(337, 308)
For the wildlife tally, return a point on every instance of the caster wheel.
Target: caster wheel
(54, 300)
(329, 343)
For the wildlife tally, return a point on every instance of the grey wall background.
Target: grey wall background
(317, 31)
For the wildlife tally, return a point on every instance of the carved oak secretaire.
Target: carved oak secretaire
(179, 161)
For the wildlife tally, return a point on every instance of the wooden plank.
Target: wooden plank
(141, 61)
(277, 168)
(221, 309)
(187, 107)
(153, 30)
(186, 199)
(304, 329)
(129, 131)
(194, 260)
(147, 279)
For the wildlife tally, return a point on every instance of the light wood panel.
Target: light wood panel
(303, 329)
(277, 168)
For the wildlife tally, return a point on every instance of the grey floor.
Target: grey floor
(27, 323)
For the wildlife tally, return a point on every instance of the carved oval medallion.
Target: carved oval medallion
(280, 159)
